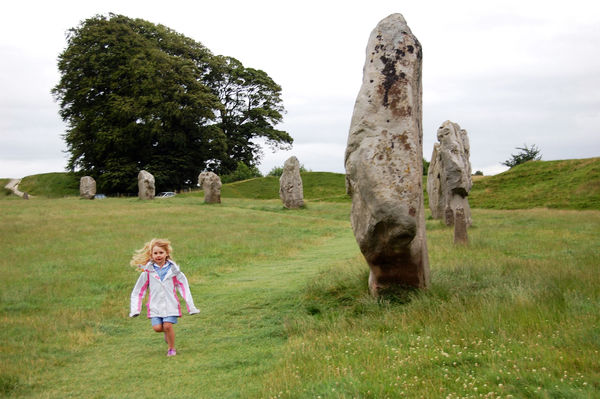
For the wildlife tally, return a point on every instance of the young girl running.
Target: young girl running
(161, 276)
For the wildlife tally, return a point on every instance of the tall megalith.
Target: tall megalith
(290, 184)
(146, 190)
(211, 185)
(449, 176)
(384, 160)
(87, 187)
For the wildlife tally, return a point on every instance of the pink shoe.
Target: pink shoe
(171, 352)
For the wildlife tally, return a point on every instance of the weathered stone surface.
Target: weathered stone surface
(291, 191)
(384, 160)
(434, 184)
(146, 190)
(449, 216)
(87, 187)
(460, 227)
(449, 177)
(211, 185)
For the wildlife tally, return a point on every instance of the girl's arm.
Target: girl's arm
(183, 287)
(137, 295)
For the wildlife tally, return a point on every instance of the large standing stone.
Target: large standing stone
(87, 187)
(384, 160)
(145, 185)
(449, 177)
(290, 184)
(211, 185)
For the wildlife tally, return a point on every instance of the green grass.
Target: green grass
(3, 191)
(324, 186)
(257, 188)
(51, 185)
(284, 305)
(321, 186)
(570, 184)
(515, 313)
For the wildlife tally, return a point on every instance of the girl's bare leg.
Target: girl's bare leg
(158, 328)
(169, 334)
(163, 329)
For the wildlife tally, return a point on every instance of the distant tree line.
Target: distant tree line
(136, 95)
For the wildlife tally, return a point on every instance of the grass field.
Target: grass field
(51, 185)
(568, 184)
(316, 186)
(284, 305)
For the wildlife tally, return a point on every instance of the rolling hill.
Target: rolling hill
(566, 184)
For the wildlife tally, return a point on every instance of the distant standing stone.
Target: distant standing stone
(384, 160)
(211, 185)
(146, 190)
(87, 187)
(449, 177)
(437, 203)
(290, 184)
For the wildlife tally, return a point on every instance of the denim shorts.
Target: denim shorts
(159, 320)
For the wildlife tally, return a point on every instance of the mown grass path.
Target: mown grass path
(223, 352)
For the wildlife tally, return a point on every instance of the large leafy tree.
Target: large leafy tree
(136, 95)
(251, 108)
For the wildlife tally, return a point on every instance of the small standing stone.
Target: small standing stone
(145, 185)
(211, 185)
(87, 187)
(437, 202)
(290, 184)
(460, 227)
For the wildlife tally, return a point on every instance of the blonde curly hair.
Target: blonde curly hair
(144, 255)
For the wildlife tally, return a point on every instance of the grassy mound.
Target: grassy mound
(3, 191)
(257, 188)
(317, 186)
(569, 184)
(51, 185)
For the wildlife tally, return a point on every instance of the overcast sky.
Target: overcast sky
(511, 72)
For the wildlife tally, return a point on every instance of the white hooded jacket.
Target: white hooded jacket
(162, 295)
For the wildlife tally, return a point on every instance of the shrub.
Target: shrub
(277, 171)
(527, 154)
(242, 172)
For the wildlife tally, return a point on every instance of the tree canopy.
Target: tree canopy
(251, 107)
(136, 95)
